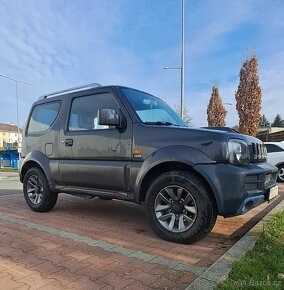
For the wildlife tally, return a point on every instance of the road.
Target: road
(10, 183)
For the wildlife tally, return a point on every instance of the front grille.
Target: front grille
(258, 152)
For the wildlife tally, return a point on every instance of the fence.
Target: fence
(265, 136)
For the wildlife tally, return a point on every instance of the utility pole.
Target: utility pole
(182, 63)
(17, 100)
(181, 68)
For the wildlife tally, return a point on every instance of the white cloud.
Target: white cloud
(57, 44)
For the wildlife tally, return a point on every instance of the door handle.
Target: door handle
(68, 142)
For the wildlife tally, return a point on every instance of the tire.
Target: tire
(280, 176)
(104, 198)
(37, 193)
(180, 196)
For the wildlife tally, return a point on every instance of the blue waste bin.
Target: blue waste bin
(15, 163)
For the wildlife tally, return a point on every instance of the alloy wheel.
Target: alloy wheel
(175, 208)
(281, 174)
(35, 189)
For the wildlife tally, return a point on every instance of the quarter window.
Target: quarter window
(84, 111)
(43, 117)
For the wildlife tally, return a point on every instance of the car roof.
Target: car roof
(280, 144)
(66, 93)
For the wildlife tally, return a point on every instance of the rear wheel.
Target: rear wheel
(37, 193)
(280, 173)
(180, 208)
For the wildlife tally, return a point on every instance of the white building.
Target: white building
(10, 135)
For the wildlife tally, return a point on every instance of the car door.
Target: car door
(91, 155)
(275, 154)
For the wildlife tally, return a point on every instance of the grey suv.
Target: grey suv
(118, 142)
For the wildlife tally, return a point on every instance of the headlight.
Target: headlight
(238, 152)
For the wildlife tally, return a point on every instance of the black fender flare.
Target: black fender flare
(42, 162)
(175, 153)
(279, 164)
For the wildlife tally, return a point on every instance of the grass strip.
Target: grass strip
(262, 267)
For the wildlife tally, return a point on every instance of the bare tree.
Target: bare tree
(186, 117)
(248, 97)
(216, 112)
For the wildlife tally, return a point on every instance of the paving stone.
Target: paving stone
(79, 255)
(48, 268)
(73, 265)
(20, 272)
(52, 286)
(49, 245)
(115, 281)
(31, 261)
(137, 285)
(86, 283)
(36, 281)
(120, 270)
(146, 278)
(65, 277)
(92, 272)
(9, 283)
(56, 258)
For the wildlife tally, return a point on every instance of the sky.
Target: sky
(57, 44)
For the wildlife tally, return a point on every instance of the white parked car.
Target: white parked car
(275, 156)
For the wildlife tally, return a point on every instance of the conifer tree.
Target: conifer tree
(216, 112)
(263, 122)
(248, 97)
(278, 122)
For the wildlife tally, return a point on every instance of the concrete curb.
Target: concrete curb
(220, 270)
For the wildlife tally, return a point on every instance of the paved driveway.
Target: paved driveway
(96, 244)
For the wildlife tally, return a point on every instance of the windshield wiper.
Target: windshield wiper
(161, 123)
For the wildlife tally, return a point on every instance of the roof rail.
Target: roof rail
(79, 88)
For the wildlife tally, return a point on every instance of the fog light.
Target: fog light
(267, 179)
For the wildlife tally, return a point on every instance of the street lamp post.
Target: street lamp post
(182, 61)
(181, 68)
(17, 99)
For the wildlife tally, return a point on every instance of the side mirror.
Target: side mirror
(109, 117)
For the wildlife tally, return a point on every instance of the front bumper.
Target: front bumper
(237, 189)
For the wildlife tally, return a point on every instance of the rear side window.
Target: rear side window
(273, 148)
(43, 117)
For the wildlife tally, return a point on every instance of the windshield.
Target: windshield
(152, 110)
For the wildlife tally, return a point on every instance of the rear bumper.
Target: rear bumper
(239, 189)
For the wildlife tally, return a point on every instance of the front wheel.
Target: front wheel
(280, 176)
(180, 208)
(37, 193)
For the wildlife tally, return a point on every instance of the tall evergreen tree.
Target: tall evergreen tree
(248, 97)
(216, 112)
(263, 122)
(278, 122)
